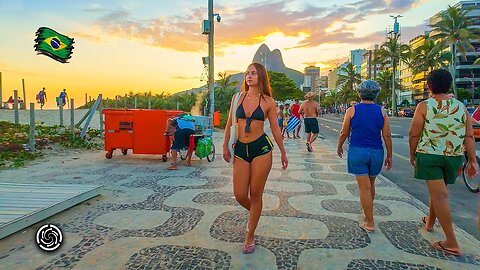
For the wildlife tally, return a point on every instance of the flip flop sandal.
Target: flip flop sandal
(365, 228)
(424, 221)
(438, 246)
(248, 249)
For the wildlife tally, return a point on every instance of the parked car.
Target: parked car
(406, 112)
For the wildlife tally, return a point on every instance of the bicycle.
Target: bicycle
(473, 184)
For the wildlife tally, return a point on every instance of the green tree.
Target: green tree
(429, 56)
(454, 30)
(332, 99)
(384, 79)
(283, 88)
(391, 53)
(225, 81)
(348, 79)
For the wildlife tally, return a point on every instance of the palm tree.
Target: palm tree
(224, 81)
(348, 79)
(391, 53)
(454, 30)
(427, 57)
(384, 79)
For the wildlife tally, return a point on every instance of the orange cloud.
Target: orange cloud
(251, 24)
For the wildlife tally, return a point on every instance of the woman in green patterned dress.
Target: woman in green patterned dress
(440, 128)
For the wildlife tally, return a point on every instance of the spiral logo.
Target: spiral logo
(49, 237)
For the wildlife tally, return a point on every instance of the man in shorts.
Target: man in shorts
(310, 111)
(184, 129)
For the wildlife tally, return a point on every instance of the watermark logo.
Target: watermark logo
(49, 237)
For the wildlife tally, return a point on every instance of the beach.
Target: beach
(50, 117)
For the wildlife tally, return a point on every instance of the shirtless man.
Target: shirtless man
(310, 111)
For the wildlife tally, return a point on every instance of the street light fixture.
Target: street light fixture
(208, 29)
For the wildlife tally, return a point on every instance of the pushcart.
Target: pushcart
(203, 135)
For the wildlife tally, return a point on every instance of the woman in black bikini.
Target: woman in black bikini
(253, 150)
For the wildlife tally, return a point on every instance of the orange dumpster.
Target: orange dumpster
(142, 131)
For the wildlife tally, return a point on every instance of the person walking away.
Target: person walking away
(42, 97)
(184, 129)
(296, 113)
(253, 149)
(310, 110)
(286, 116)
(439, 129)
(63, 97)
(280, 117)
(368, 123)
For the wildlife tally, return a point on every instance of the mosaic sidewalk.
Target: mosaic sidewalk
(151, 218)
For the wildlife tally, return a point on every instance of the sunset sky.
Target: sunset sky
(147, 45)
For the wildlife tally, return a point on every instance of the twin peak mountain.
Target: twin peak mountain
(273, 61)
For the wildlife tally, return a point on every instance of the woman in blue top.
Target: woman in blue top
(367, 122)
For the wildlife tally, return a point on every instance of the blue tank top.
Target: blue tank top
(366, 126)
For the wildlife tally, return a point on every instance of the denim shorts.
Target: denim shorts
(364, 161)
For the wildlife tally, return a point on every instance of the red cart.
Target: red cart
(142, 131)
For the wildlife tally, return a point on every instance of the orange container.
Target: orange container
(216, 118)
(140, 130)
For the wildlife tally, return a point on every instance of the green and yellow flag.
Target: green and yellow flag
(53, 44)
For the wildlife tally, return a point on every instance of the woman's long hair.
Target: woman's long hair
(263, 81)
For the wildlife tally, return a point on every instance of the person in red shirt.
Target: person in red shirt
(296, 112)
(476, 116)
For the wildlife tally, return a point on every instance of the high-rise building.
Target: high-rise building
(311, 75)
(356, 59)
(369, 70)
(465, 72)
(333, 76)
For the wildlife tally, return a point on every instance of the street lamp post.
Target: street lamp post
(472, 81)
(396, 31)
(211, 70)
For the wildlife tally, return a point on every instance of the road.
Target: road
(463, 203)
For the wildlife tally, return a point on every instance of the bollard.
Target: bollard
(32, 126)
(24, 104)
(60, 109)
(100, 108)
(15, 106)
(72, 117)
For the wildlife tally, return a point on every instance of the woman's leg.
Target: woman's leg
(372, 187)
(431, 215)
(365, 189)
(439, 200)
(259, 171)
(241, 182)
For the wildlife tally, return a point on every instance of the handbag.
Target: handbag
(233, 128)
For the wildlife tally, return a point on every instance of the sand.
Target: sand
(50, 117)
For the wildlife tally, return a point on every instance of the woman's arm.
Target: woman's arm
(272, 118)
(416, 128)
(345, 132)
(387, 138)
(469, 142)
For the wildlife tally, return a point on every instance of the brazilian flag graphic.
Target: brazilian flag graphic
(53, 44)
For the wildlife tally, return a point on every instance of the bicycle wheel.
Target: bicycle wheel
(473, 184)
(183, 154)
(211, 156)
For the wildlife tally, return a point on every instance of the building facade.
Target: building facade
(355, 58)
(368, 68)
(311, 75)
(466, 74)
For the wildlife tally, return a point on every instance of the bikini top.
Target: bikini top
(257, 114)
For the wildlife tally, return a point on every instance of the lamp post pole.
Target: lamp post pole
(472, 81)
(211, 70)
